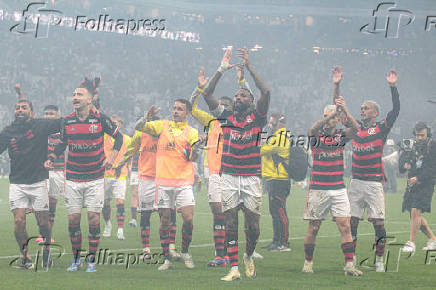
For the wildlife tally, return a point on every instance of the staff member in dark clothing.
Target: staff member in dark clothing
(27, 140)
(420, 164)
(277, 180)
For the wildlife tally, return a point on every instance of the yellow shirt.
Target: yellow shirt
(109, 143)
(205, 119)
(133, 147)
(154, 128)
(278, 144)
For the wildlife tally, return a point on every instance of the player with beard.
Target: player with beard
(327, 188)
(57, 173)
(241, 161)
(174, 173)
(213, 162)
(366, 188)
(83, 132)
(27, 141)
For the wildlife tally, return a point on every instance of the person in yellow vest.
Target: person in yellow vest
(115, 185)
(174, 173)
(275, 155)
(144, 146)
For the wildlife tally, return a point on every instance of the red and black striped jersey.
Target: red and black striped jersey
(241, 144)
(368, 152)
(368, 145)
(85, 143)
(328, 161)
(59, 162)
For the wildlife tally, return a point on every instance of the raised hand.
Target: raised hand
(240, 72)
(225, 62)
(340, 103)
(392, 77)
(152, 112)
(17, 88)
(201, 80)
(337, 74)
(244, 54)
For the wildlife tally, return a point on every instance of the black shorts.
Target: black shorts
(420, 199)
(278, 187)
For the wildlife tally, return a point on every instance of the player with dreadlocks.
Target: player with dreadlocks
(82, 131)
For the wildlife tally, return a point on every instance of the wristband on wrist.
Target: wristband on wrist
(200, 90)
(51, 158)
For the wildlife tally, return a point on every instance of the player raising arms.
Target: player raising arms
(83, 132)
(174, 173)
(27, 141)
(240, 162)
(327, 188)
(366, 188)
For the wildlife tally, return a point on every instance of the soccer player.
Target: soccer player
(115, 184)
(144, 146)
(274, 152)
(241, 161)
(27, 141)
(57, 173)
(366, 188)
(327, 189)
(213, 159)
(133, 183)
(83, 132)
(174, 173)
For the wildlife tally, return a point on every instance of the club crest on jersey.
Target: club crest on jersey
(93, 128)
(371, 131)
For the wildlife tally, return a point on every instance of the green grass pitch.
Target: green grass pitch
(275, 271)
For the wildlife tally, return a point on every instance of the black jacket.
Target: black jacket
(423, 165)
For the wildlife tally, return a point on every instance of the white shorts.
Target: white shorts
(367, 195)
(29, 196)
(320, 202)
(57, 184)
(241, 189)
(175, 197)
(133, 178)
(146, 195)
(214, 190)
(115, 188)
(89, 194)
